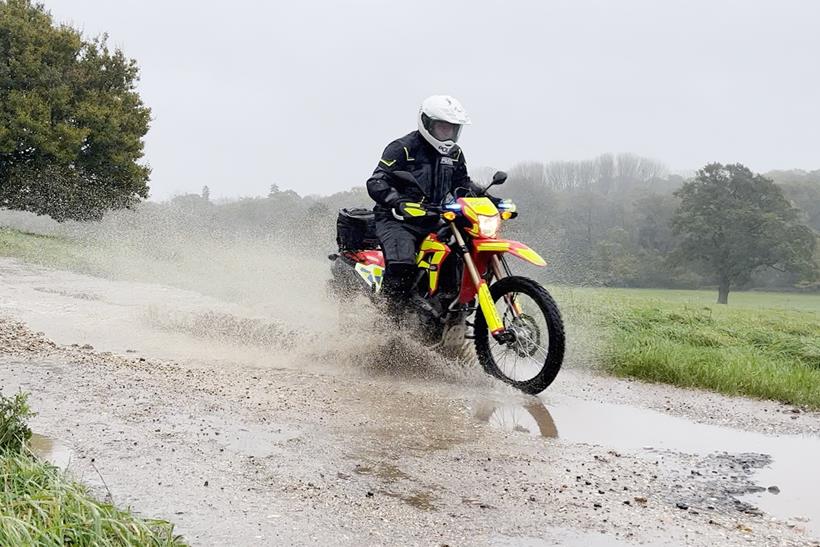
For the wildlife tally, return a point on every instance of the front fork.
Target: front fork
(501, 273)
(485, 299)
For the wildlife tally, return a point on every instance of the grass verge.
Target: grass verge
(758, 348)
(54, 251)
(39, 505)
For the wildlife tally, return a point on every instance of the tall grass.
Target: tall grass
(39, 505)
(14, 431)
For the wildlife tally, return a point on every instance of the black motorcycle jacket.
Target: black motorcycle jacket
(437, 174)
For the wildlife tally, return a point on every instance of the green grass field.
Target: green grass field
(51, 251)
(764, 345)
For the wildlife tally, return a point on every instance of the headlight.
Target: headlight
(488, 226)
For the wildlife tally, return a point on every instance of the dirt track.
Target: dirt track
(248, 444)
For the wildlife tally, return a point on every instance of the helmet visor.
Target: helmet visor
(444, 131)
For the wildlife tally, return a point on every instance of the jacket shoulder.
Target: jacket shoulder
(401, 150)
(393, 155)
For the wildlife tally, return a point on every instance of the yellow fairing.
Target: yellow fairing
(473, 207)
(436, 252)
(493, 246)
(485, 301)
(479, 206)
(529, 255)
(513, 247)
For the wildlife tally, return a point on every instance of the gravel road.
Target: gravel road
(242, 439)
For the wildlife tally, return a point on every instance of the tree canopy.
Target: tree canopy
(733, 222)
(71, 120)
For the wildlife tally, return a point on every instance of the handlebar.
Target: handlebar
(437, 211)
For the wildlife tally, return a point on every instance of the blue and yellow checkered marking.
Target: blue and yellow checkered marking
(372, 275)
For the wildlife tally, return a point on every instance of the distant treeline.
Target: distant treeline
(605, 221)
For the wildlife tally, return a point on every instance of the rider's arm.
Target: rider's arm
(462, 183)
(379, 185)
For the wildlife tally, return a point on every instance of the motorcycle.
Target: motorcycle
(465, 288)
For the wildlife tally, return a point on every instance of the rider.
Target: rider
(437, 162)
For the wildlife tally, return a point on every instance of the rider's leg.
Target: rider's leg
(399, 246)
(398, 283)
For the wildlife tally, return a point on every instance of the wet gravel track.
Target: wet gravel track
(243, 452)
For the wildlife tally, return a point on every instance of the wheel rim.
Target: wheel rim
(521, 359)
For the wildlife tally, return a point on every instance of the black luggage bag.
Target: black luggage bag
(356, 230)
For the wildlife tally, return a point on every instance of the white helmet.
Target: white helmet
(440, 120)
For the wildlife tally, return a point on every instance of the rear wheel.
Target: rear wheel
(532, 356)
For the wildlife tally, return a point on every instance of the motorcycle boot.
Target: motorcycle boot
(397, 288)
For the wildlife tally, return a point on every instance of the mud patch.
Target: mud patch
(385, 471)
(424, 501)
(392, 476)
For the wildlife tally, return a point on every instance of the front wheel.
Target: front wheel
(531, 357)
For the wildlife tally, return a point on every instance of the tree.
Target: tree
(733, 222)
(71, 121)
(803, 190)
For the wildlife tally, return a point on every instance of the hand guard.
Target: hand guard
(506, 208)
(406, 210)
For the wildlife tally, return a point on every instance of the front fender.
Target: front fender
(508, 246)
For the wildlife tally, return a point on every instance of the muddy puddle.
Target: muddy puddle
(50, 450)
(788, 487)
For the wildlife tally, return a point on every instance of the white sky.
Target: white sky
(306, 94)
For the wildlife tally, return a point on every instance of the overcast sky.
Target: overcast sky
(306, 94)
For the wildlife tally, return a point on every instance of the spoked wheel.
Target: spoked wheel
(531, 357)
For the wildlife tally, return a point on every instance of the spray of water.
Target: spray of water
(266, 300)
(266, 295)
